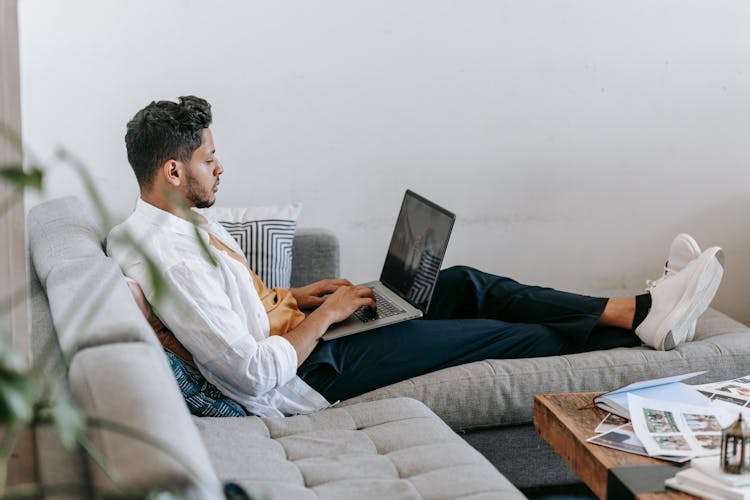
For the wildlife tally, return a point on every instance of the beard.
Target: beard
(197, 195)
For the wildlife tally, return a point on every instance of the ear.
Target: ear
(173, 172)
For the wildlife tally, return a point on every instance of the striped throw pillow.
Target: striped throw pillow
(265, 235)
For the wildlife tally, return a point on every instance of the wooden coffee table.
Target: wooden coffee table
(566, 421)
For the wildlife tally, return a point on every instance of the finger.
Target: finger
(313, 301)
(328, 288)
(331, 286)
(369, 302)
(364, 291)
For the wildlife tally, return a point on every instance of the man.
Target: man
(256, 346)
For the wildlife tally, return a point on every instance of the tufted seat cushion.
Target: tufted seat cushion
(394, 448)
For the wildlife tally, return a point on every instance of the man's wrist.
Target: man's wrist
(322, 317)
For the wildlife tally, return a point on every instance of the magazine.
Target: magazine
(736, 392)
(666, 388)
(671, 420)
(610, 423)
(676, 429)
(623, 438)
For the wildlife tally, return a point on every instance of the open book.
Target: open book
(666, 389)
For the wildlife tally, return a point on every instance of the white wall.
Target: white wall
(573, 138)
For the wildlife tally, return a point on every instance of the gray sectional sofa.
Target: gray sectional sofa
(396, 442)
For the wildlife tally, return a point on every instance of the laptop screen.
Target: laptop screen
(417, 247)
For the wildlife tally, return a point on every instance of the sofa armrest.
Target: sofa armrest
(315, 256)
(147, 437)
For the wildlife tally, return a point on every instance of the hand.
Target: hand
(345, 300)
(336, 307)
(311, 296)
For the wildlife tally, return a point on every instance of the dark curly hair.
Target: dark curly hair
(163, 131)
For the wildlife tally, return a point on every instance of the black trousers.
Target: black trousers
(473, 316)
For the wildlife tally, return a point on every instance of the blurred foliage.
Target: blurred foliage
(33, 396)
(17, 395)
(24, 179)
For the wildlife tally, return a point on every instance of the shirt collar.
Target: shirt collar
(167, 220)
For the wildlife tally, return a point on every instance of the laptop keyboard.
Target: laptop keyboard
(385, 309)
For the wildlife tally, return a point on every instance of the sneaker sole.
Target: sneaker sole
(690, 242)
(695, 301)
(691, 329)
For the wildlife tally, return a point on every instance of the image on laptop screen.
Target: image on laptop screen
(417, 248)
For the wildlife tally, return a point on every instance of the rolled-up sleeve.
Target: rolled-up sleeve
(252, 368)
(230, 350)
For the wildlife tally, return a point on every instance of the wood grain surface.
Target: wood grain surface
(566, 421)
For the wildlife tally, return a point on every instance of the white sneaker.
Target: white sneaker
(678, 299)
(683, 249)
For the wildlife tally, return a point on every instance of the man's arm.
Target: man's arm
(242, 361)
(229, 347)
(343, 301)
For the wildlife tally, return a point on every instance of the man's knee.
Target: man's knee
(465, 278)
(457, 273)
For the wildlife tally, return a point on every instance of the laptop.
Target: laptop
(411, 268)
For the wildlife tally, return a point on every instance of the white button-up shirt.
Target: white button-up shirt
(214, 311)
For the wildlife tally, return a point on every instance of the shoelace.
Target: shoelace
(650, 284)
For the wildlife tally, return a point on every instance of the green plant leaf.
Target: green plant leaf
(193, 218)
(161, 289)
(25, 179)
(88, 183)
(11, 362)
(16, 400)
(70, 422)
(156, 279)
(204, 246)
(17, 392)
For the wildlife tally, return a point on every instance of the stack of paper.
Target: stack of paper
(705, 479)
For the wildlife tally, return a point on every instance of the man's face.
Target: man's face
(202, 173)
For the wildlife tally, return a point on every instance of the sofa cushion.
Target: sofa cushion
(316, 256)
(501, 392)
(91, 305)
(60, 230)
(394, 448)
(88, 300)
(131, 386)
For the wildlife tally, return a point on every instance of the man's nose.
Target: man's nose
(219, 168)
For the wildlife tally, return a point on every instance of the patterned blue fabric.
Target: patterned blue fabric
(203, 398)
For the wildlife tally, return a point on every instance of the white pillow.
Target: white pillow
(265, 235)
